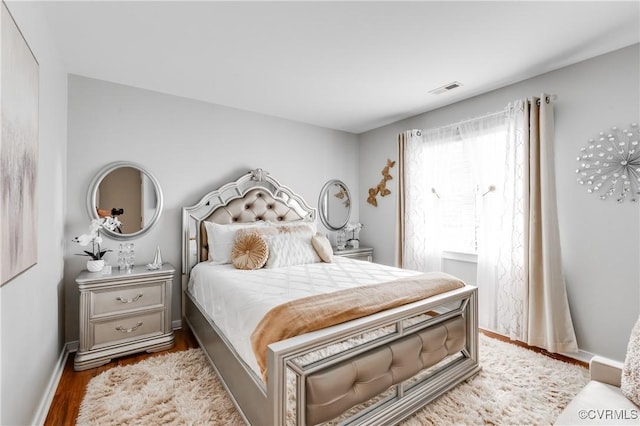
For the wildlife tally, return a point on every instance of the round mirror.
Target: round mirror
(334, 205)
(129, 192)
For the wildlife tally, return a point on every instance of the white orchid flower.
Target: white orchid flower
(111, 223)
(96, 224)
(84, 239)
(94, 238)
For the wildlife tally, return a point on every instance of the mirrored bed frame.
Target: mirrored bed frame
(433, 342)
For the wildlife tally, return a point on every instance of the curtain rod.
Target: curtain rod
(548, 99)
(456, 124)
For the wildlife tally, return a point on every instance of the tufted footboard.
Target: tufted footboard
(333, 391)
(395, 363)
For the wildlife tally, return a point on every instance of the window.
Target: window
(473, 162)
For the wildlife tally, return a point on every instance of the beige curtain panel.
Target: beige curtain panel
(549, 323)
(400, 216)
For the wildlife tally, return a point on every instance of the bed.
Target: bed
(373, 369)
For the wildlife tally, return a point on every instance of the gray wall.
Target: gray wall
(32, 304)
(600, 240)
(191, 147)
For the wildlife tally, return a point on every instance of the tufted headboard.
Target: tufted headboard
(254, 196)
(256, 204)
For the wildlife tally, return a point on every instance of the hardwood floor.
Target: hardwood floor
(66, 401)
(535, 349)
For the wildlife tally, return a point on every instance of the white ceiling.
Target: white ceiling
(350, 66)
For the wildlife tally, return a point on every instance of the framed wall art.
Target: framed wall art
(19, 87)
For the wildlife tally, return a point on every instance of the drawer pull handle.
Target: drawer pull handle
(128, 330)
(135, 299)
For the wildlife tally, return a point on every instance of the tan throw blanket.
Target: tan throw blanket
(320, 311)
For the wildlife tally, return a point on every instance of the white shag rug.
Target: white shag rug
(515, 386)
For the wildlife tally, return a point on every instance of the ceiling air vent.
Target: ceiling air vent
(445, 88)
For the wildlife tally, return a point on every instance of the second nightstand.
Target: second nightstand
(122, 313)
(362, 253)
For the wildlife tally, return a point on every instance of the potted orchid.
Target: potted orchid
(354, 229)
(93, 237)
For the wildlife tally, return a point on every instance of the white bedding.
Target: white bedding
(237, 300)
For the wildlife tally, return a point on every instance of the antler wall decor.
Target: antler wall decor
(381, 188)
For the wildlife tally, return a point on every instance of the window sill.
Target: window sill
(460, 256)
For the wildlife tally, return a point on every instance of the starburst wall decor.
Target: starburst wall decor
(609, 166)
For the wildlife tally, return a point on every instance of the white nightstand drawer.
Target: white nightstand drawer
(126, 298)
(109, 332)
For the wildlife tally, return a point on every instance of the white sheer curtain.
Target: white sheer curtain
(486, 143)
(506, 273)
(423, 165)
(427, 163)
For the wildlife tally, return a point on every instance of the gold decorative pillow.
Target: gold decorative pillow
(250, 251)
(322, 246)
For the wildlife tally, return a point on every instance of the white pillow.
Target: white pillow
(221, 239)
(294, 223)
(292, 247)
(322, 246)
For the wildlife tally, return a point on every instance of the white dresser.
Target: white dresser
(122, 313)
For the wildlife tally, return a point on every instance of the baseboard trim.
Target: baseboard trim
(177, 324)
(47, 398)
(73, 346)
(581, 355)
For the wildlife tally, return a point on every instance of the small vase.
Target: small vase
(95, 265)
(341, 240)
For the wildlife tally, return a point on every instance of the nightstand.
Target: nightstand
(123, 313)
(362, 253)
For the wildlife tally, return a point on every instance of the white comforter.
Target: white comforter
(237, 300)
